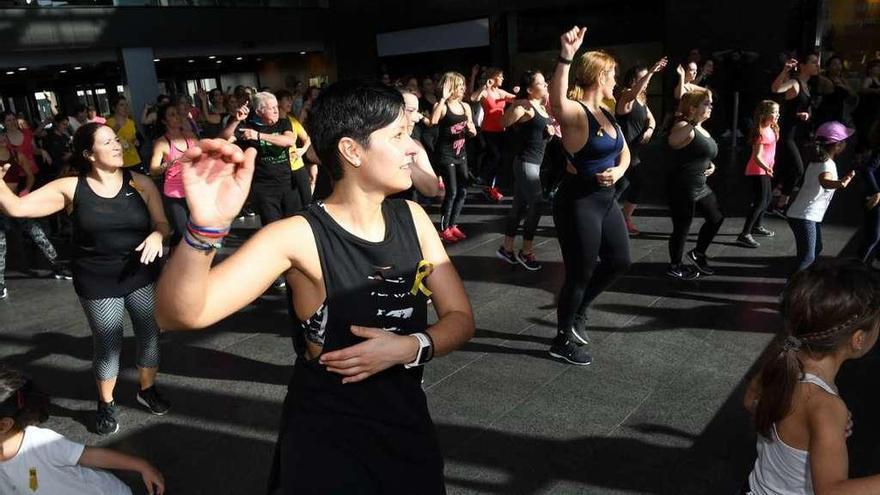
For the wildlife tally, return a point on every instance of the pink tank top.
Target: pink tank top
(767, 140)
(173, 187)
(26, 148)
(493, 110)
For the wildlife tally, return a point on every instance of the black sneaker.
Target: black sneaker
(506, 255)
(151, 399)
(682, 272)
(763, 232)
(105, 419)
(279, 283)
(61, 272)
(528, 260)
(571, 353)
(746, 240)
(579, 330)
(3, 291)
(701, 262)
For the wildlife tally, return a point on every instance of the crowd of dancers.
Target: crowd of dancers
(329, 171)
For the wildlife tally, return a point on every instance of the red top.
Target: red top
(767, 140)
(26, 147)
(492, 111)
(15, 173)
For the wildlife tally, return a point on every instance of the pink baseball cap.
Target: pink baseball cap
(833, 132)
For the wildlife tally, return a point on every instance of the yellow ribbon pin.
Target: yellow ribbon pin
(422, 271)
(34, 483)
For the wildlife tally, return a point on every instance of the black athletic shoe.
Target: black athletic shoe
(528, 261)
(506, 255)
(571, 353)
(279, 283)
(61, 272)
(151, 399)
(3, 291)
(763, 232)
(746, 240)
(579, 330)
(701, 262)
(105, 419)
(682, 272)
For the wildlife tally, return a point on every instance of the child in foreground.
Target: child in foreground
(38, 460)
(831, 313)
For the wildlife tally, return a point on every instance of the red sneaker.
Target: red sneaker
(457, 232)
(631, 228)
(448, 236)
(496, 195)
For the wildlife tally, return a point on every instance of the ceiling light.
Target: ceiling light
(190, 61)
(22, 68)
(63, 71)
(239, 58)
(156, 60)
(219, 61)
(302, 53)
(77, 68)
(211, 57)
(10, 72)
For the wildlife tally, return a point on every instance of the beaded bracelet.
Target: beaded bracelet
(200, 245)
(207, 232)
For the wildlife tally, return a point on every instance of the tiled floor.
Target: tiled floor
(657, 412)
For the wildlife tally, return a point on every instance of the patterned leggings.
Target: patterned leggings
(106, 319)
(31, 229)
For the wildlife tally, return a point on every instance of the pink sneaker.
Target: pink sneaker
(631, 228)
(448, 236)
(457, 232)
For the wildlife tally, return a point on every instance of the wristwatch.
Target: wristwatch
(426, 350)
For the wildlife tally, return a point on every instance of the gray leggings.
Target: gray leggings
(526, 199)
(106, 319)
(33, 230)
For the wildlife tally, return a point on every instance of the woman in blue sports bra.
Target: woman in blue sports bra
(591, 229)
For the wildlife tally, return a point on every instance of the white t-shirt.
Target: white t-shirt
(47, 464)
(812, 200)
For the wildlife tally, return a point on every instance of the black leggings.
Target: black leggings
(682, 209)
(494, 146)
(791, 164)
(594, 242)
(526, 199)
(178, 214)
(300, 181)
(761, 195)
(871, 241)
(455, 176)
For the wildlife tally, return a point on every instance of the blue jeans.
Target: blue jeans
(808, 239)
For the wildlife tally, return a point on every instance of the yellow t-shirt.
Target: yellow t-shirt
(127, 135)
(296, 161)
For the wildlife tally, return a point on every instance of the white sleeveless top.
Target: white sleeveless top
(781, 469)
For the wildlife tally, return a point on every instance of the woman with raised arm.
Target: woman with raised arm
(360, 269)
(453, 117)
(168, 149)
(119, 226)
(590, 226)
(492, 98)
(637, 122)
(794, 127)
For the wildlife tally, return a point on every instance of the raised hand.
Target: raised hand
(660, 65)
(680, 71)
(217, 178)
(447, 91)
(571, 41)
(242, 112)
(791, 64)
(475, 70)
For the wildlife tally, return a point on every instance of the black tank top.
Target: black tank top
(531, 138)
(791, 127)
(451, 137)
(689, 164)
(211, 131)
(367, 284)
(106, 232)
(634, 125)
